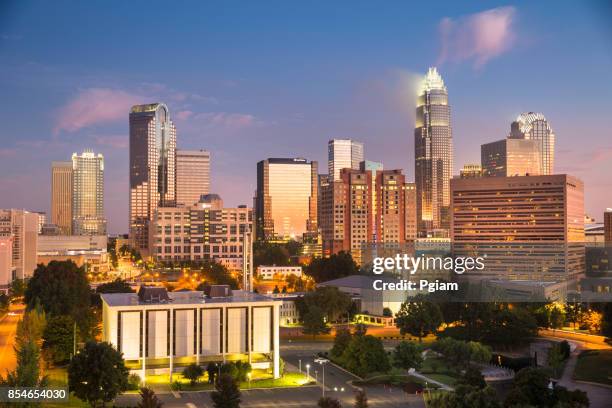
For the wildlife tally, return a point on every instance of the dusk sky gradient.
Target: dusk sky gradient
(252, 80)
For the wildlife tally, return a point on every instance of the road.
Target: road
(336, 385)
(8, 327)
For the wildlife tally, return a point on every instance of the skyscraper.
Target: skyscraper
(88, 194)
(343, 154)
(608, 227)
(19, 230)
(152, 167)
(192, 175)
(286, 199)
(534, 126)
(433, 146)
(61, 196)
(511, 157)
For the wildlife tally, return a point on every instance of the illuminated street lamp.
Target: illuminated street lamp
(322, 362)
(308, 372)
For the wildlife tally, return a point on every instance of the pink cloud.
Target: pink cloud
(93, 106)
(184, 114)
(229, 120)
(478, 37)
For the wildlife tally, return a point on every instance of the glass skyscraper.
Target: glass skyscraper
(433, 146)
(286, 199)
(88, 194)
(152, 167)
(534, 126)
(343, 154)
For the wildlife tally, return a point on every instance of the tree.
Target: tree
(336, 266)
(557, 317)
(193, 372)
(473, 378)
(418, 317)
(465, 397)
(5, 301)
(265, 253)
(58, 339)
(116, 286)
(508, 327)
(365, 354)
(33, 324)
(341, 342)
(227, 393)
(148, 399)
(27, 373)
(530, 387)
(17, 288)
(62, 289)
(331, 300)
(606, 320)
(314, 322)
(387, 312)
(407, 355)
(97, 374)
(328, 402)
(361, 399)
(555, 359)
(573, 311)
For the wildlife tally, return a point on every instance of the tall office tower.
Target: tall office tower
(61, 196)
(523, 224)
(470, 170)
(534, 126)
(152, 167)
(88, 194)
(192, 175)
(608, 227)
(20, 227)
(343, 154)
(6, 263)
(364, 207)
(372, 167)
(286, 199)
(410, 228)
(511, 157)
(433, 147)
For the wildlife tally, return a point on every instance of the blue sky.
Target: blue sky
(251, 80)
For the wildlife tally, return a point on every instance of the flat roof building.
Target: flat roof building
(160, 332)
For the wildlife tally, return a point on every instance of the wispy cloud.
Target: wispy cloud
(228, 119)
(477, 37)
(93, 106)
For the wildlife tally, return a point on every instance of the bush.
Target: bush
(134, 382)
(193, 372)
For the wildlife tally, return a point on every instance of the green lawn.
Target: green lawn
(439, 370)
(594, 366)
(58, 377)
(258, 381)
(393, 379)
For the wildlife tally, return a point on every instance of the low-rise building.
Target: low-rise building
(87, 250)
(161, 332)
(266, 272)
(288, 314)
(22, 227)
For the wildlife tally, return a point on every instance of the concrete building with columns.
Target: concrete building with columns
(160, 332)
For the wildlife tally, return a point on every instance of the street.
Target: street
(8, 327)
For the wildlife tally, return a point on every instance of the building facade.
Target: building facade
(608, 227)
(88, 194)
(164, 332)
(365, 207)
(22, 228)
(534, 126)
(200, 232)
(286, 199)
(433, 146)
(267, 272)
(6, 263)
(192, 175)
(470, 170)
(61, 196)
(410, 212)
(343, 154)
(88, 250)
(152, 168)
(511, 157)
(529, 227)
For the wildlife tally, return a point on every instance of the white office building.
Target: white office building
(265, 272)
(179, 328)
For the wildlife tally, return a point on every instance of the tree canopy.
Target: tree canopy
(418, 317)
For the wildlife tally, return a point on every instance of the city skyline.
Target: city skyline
(262, 111)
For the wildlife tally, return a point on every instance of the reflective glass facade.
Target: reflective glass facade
(88, 194)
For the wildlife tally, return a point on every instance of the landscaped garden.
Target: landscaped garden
(594, 366)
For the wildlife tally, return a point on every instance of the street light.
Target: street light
(300, 365)
(307, 372)
(322, 362)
